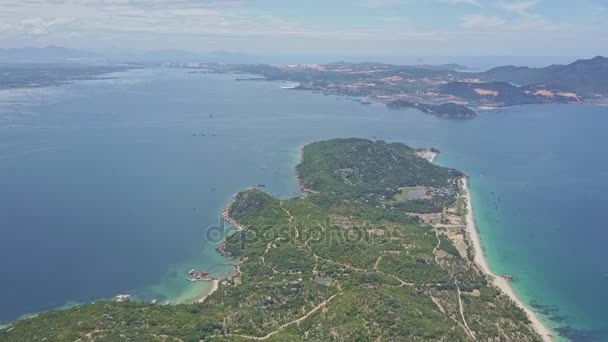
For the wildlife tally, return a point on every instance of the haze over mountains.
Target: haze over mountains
(48, 53)
(423, 83)
(58, 53)
(588, 76)
(581, 80)
(510, 85)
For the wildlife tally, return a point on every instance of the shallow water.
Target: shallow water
(107, 187)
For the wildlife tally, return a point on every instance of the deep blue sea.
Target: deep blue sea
(107, 186)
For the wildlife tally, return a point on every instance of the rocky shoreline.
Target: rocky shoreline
(301, 186)
(221, 247)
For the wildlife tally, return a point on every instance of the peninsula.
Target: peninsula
(381, 247)
(44, 74)
(444, 90)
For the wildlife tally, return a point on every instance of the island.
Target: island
(380, 246)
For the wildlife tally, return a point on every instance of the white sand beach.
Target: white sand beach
(214, 286)
(500, 282)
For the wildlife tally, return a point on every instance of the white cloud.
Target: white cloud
(382, 3)
(519, 17)
(237, 24)
(182, 17)
(40, 26)
(520, 7)
(467, 2)
(530, 23)
(478, 21)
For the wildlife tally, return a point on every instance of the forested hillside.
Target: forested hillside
(354, 260)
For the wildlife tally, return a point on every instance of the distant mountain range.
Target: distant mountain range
(443, 90)
(178, 56)
(58, 53)
(168, 55)
(509, 85)
(48, 53)
(225, 53)
(383, 66)
(502, 86)
(586, 77)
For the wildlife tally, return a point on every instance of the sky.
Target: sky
(429, 27)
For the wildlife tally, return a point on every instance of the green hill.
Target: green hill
(448, 109)
(585, 77)
(497, 92)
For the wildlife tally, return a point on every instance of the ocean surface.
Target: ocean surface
(107, 187)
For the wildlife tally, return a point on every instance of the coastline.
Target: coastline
(301, 186)
(429, 155)
(220, 248)
(480, 259)
(536, 322)
(214, 286)
(230, 219)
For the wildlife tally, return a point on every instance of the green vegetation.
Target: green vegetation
(364, 172)
(447, 246)
(385, 274)
(407, 193)
(460, 207)
(450, 110)
(502, 93)
(443, 91)
(585, 77)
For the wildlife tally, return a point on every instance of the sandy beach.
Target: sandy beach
(214, 286)
(499, 282)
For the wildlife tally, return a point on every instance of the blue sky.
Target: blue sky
(430, 27)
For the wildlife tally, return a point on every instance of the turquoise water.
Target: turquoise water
(107, 187)
(539, 188)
